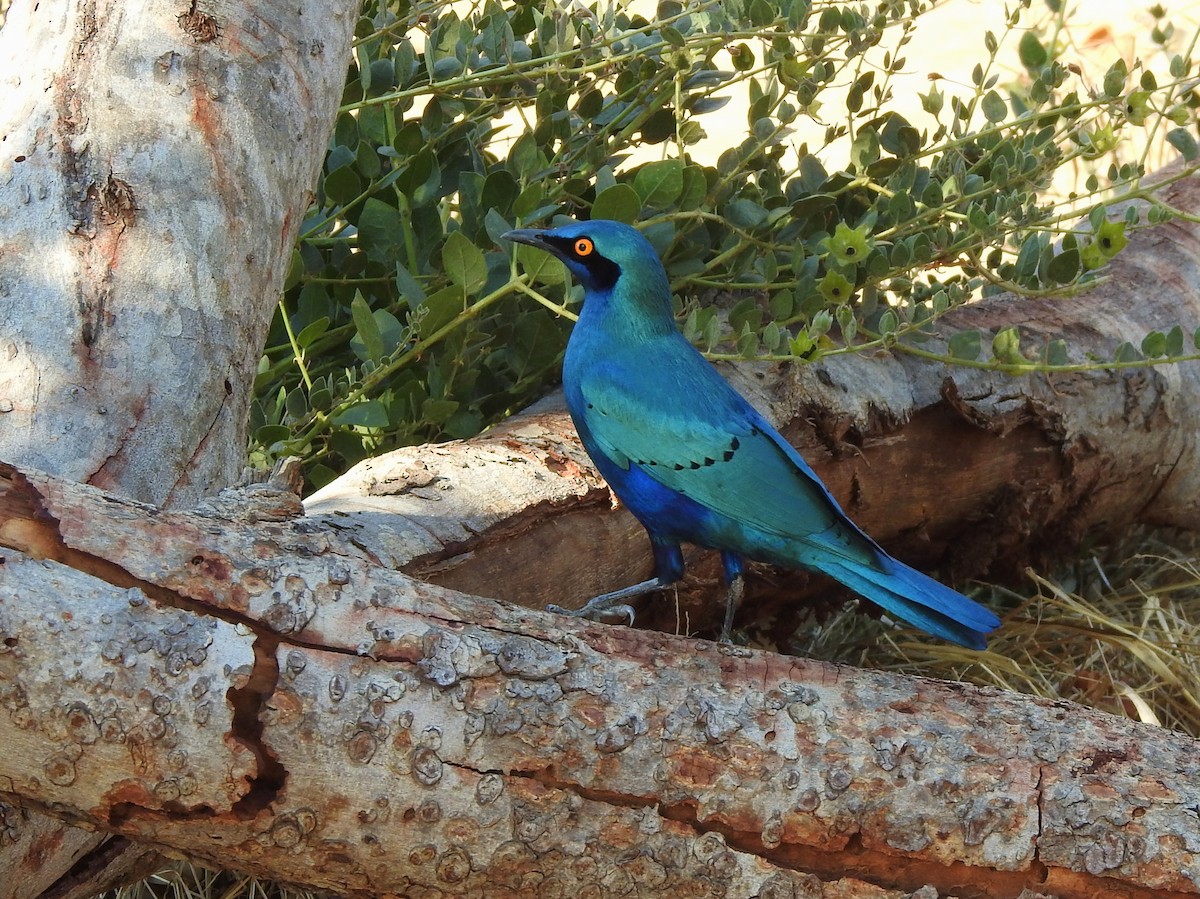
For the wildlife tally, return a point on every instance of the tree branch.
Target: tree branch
(378, 734)
(156, 159)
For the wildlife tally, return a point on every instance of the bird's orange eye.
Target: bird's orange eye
(584, 247)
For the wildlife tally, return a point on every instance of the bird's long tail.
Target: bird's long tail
(916, 598)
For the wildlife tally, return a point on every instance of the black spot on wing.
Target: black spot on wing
(706, 462)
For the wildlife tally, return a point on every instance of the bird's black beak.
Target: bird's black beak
(530, 236)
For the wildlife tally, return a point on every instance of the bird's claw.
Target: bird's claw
(596, 611)
(609, 604)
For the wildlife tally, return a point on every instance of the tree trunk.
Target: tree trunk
(973, 472)
(153, 175)
(260, 694)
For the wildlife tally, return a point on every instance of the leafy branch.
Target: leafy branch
(404, 319)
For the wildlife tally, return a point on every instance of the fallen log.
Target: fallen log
(257, 692)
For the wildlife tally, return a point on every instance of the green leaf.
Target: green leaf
(965, 345)
(342, 186)
(368, 414)
(529, 200)
(994, 108)
(1183, 141)
(367, 327)
(312, 331)
(620, 203)
(499, 191)
(762, 13)
(409, 287)
(1154, 344)
(694, 188)
(1006, 347)
(745, 214)
(672, 36)
(1027, 259)
(1114, 79)
(379, 230)
(269, 435)
(1056, 352)
(659, 183)
(540, 266)
(1033, 55)
(1127, 352)
(464, 262)
(296, 404)
(1175, 341)
(899, 138)
(1064, 268)
(437, 411)
(439, 309)
(865, 148)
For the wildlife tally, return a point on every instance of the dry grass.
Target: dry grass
(186, 882)
(1119, 632)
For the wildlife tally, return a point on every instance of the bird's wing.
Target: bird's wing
(696, 435)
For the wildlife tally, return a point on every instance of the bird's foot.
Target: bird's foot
(733, 599)
(608, 605)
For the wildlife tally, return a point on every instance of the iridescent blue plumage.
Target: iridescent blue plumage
(693, 460)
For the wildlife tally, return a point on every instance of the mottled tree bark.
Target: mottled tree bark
(259, 693)
(153, 171)
(971, 472)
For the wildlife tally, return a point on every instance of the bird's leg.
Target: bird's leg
(732, 563)
(668, 562)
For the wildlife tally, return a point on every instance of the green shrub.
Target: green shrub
(405, 319)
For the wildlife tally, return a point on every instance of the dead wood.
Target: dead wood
(261, 694)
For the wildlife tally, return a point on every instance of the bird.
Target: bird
(694, 461)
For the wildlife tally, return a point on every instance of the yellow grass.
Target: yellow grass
(1118, 632)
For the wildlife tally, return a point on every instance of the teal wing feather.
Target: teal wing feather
(703, 440)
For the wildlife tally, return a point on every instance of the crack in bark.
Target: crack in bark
(188, 467)
(1039, 793)
(248, 704)
(871, 865)
(41, 537)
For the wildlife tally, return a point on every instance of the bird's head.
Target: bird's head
(600, 254)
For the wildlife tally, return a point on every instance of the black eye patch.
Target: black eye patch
(602, 272)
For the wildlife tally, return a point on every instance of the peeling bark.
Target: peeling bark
(971, 472)
(377, 735)
(152, 176)
(136, 303)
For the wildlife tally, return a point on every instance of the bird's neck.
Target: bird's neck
(631, 314)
